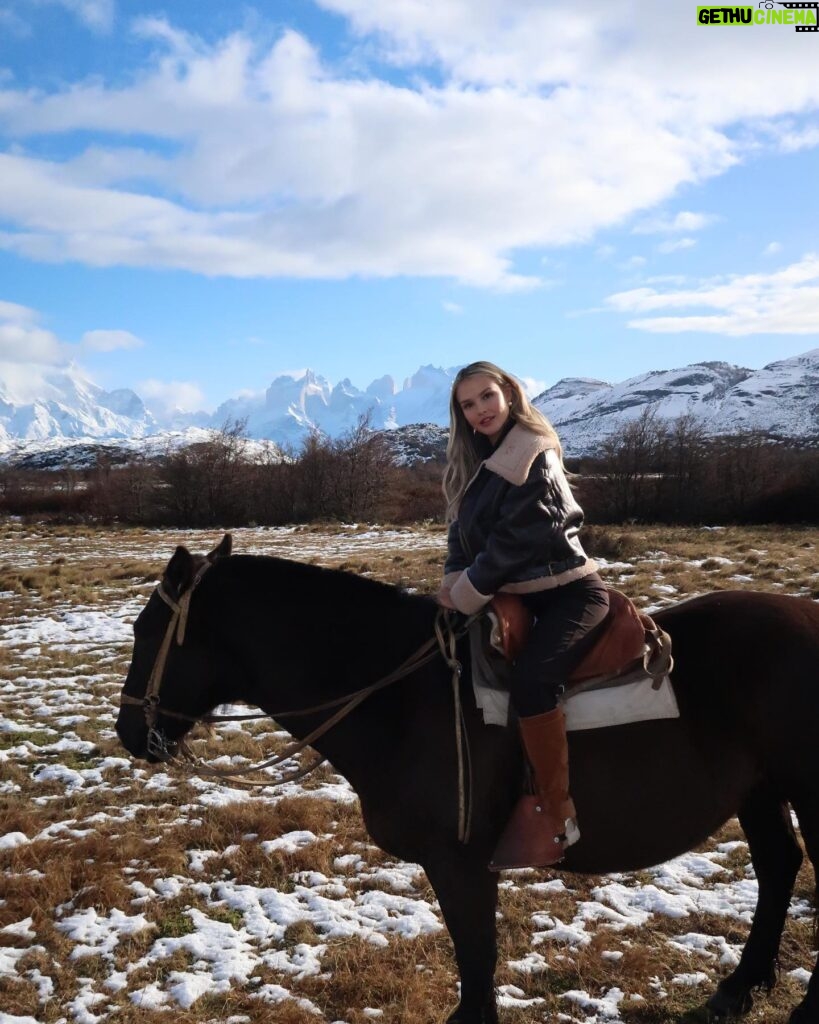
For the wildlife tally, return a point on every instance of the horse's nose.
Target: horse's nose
(132, 734)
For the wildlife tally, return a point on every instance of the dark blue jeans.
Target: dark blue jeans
(565, 629)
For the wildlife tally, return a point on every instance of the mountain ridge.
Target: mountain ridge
(781, 399)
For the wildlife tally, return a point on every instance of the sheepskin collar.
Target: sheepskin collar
(513, 457)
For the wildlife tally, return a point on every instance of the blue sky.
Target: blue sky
(199, 196)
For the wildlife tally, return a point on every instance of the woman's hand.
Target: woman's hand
(444, 600)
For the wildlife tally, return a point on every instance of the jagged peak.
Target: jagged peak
(382, 386)
(427, 375)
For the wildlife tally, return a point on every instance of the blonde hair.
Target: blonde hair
(463, 456)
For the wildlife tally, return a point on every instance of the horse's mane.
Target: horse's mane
(336, 586)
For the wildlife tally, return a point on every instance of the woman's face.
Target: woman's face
(485, 404)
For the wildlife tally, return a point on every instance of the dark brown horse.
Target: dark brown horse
(283, 635)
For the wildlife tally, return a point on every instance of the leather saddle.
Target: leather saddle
(626, 636)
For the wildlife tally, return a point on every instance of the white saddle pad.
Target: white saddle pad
(594, 709)
(620, 705)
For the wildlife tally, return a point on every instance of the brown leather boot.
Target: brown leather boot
(542, 824)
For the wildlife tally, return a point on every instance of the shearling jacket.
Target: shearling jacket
(517, 525)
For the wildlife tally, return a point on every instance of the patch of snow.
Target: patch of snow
(20, 930)
(97, 934)
(11, 840)
(290, 842)
(604, 1008)
(691, 980)
(512, 996)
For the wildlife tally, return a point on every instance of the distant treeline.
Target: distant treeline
(653, 470)
(224, 482)
(670, 471)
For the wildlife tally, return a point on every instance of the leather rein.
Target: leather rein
(443, 642)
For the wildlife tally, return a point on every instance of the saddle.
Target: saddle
(627, 636)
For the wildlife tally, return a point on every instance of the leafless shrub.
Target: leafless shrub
(656, 470)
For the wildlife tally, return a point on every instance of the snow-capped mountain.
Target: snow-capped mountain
(291, 407)
(62, 402)
(584, 411)
(68, 404)
(783, 396)
(781, 400)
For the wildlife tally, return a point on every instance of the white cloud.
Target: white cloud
(19, 343)
(16, 313)
(22, 340)
(549, 125)
(772, 249)
(452, 307)
(676, 244)
(97, 15)
(668, 279)
(24, 382)
(684, 221)
(164, 398)
(158, 28)
(602, 42)
(784, 302)
(532, 386)
(792, 141)
(110, 341)
(632, 263)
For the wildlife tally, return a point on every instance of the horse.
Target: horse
(284, 635)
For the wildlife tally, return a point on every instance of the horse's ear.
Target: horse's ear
(179, 572)
(222, 549)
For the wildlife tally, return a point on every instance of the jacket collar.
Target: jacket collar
(513, 457)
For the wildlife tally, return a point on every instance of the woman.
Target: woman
(513, 527)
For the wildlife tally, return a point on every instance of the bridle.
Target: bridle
(448, 630)
(177, 625)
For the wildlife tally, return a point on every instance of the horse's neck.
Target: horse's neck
(324, 653)
(302, 655)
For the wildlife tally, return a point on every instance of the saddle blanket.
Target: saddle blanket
(632, 700)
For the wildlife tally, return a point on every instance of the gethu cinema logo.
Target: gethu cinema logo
(803, 16)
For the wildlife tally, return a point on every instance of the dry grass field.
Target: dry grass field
(130, 894)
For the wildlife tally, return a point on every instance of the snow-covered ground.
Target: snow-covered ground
(39, 547)
(61, 674)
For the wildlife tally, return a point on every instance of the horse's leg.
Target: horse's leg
(776, 856)
(806, 806)
(468, 894)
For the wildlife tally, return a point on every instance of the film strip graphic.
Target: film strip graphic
(802, 7)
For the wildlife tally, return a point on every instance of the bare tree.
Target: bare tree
(627, 479)
(314, 479)
(361, 463)
(203, 480)
(683, 465)
(743, 468)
